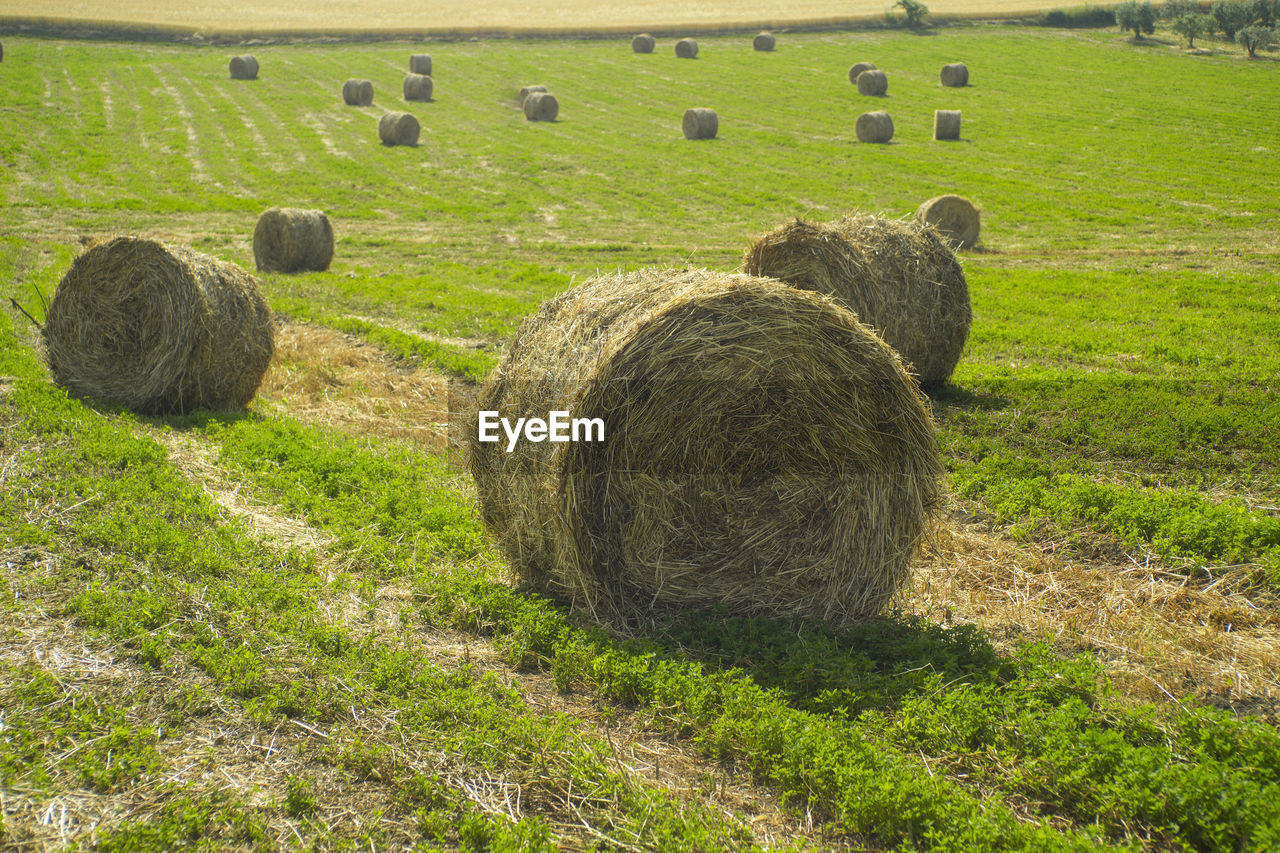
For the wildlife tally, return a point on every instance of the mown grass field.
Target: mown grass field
(287, 628)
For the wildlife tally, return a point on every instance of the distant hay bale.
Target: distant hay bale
(420, 63)
(874, 127)
(764, 41)
(541, 106)
(946, 124)
(418, 87)
(872, 82)
(158, 328)
(357, 93)
(244, 68)
(290, 239)
(857, 68)
(643, 43)
(700, 123)
(763, 451)
(955, 74)
(687, 49)
(526, 91)
(900, 278)
(954, 217)
(399, 129)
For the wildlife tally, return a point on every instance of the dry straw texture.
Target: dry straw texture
(526, 91)
(399, 129)
(700, 123)
(946, 124)
(874, 127)
(857, 68)
(643, 43)
(160, 329)
(764, 451)
(954, 217)
(764, 41)
(687, 49)
(541, 106)
(898, 277)
(955, 74)
(290, 239)
(420, 63)
(357, 93)
(872, 82)
(244, 68)
(417, 87)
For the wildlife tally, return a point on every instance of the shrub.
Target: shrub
(1255, 37)
(1081, 16)
(1139, 17)
(1232, 17)
(914, 11)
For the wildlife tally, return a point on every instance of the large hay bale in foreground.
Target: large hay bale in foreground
(764, 41)
(857, 68)
(956, 74)
(244, 67)
(763, 451)
(874, 127)
(526, 91)
(872, 82)
(643, 43)
(290, 239)
(700, 123)
(954, 217)
(541, 106)
(158, 328)
(687, 49)
(900, 278)
(418, 87)
(946, 124)
(357, 93)
(420, 63)
(399, 129)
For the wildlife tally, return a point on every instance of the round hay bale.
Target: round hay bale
(158, 328)
(541, 106)
(525, 91)
(763, 451)
(420, 63)
(874, 127)
(357, 93)
(700, 123)
(399, 129)
(900, 278)
(946, 124)
(954, 217)
(857, 68)
(955, 74)
(418, 87)
(290, 239)
(244, 68)
(643, 43)
(872, 82)
(764, 41)
(687, 49)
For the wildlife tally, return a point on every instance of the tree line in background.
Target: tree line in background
(1250, 23)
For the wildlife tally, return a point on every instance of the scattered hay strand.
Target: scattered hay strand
(955, 74)
(643, 43)
(290, 239)
(418, 87)
(525, 91)
(399, 129)
(900, 278)
(420, 63)
(687, 49)
(541, 106)
(872, 82)
(857, 68)
(954, 217)
(700, 123)
(764, 41)
(357, 93)
(874, 127)
(158, 328)
(763, 451)
(946, 124)
(244, 68)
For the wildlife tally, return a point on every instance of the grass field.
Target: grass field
(288, 628)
